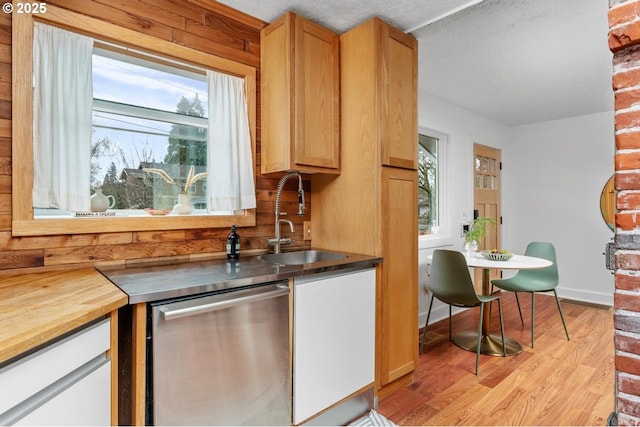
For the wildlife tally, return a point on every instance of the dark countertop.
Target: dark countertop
(158, 282)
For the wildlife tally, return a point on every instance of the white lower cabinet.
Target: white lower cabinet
(86, 402)
(333, 339)
(65, 383)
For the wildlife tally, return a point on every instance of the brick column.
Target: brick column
(624, 42)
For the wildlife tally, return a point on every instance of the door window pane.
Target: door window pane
(486, 172)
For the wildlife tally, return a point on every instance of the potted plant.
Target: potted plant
(476, 233)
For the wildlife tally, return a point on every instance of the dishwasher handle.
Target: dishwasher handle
(169, 313)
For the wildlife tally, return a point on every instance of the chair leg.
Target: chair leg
(561, 315)
(479, 343)
(519, 310)
(504, 347)
(424, 332)
(450, 322)
(491, 303)
(533, 312)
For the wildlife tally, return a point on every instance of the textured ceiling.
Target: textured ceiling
(341, 15)
(521, 61)
(513, 61)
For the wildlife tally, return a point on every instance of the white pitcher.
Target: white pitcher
(101, 202)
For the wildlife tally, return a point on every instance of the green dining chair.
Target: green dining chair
(532, 281)
(451, 283)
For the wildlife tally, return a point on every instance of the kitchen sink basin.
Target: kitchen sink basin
(301, 257)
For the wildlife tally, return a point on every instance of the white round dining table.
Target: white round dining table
(491, 344)
(516, 262)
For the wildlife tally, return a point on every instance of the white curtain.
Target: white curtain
(63, 104)
(230, 164)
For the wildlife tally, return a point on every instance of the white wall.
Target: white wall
(463, 129)
(553, 174)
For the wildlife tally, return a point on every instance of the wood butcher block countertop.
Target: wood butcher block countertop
(36, 308)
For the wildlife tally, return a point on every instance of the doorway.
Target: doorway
(486, 198)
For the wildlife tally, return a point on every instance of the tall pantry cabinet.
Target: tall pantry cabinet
(371, 207)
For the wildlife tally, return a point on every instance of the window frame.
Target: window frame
(442, 237)
(23, 221)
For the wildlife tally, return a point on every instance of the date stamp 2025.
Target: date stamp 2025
(29, 8)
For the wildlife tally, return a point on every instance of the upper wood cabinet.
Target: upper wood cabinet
(398, 56)
(300, 95)
(380, 62)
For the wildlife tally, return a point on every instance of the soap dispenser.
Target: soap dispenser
(233, 244)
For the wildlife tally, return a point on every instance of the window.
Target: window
(430, 172)
(144, 122)
(113, 120)
(147, 115)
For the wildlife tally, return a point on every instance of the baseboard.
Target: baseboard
(585, 303)
(589, 299)
(602, 298)
(438, 312)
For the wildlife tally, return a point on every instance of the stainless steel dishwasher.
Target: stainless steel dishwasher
(221, 359)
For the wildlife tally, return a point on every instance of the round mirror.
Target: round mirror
(608, 203)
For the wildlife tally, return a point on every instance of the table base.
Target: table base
(489, 344)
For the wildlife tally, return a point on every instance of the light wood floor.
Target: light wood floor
(558, 382)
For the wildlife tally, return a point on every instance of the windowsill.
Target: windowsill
(119, 213)
(116, 224)
(434, 241)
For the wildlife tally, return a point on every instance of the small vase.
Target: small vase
(184, 206)
(100, 202)
(470, 248)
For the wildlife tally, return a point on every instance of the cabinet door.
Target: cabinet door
(276, 61)
(317, 95)
(67, 382)
(398, 279)
(300, 74)
(333, 341)
(84, 403)
(398, 97)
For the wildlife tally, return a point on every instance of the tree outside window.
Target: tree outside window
(428, 218)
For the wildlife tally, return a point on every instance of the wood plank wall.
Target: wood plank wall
(205, 25)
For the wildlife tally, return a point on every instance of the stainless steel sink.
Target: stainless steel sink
(301, 257)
